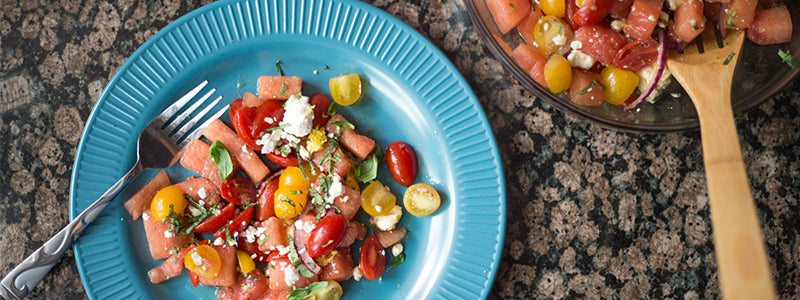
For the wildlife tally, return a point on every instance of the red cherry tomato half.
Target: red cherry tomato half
(268, 115)
(402, 163)
(372, 259)
(234, 107)
(276, 255)
(194, 278)
(283, 161)
(592, 13)
(326, 235)
(636, 55)
(238, 223)
(266, 200)
(571, 9)
(239, 191)
(215, 222)
(242, 120)
(252, 249)
(321, 104)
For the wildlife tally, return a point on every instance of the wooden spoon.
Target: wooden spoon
(741, 256)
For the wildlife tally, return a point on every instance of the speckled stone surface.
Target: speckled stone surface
(592, 212)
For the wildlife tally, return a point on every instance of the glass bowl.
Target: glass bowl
(761, 74)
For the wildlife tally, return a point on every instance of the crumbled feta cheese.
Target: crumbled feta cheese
(397, 249)
(336, 189)
(269, 141)
(560, 40)
(168, 234)
(290, 275)
(219, 242)
(378, 208)
(299, 115)
(617, 25)
(145, 217)
(283, 249)
(251, 233)
(673, 4)
(304, 225)
(196, 258)
(244, 148)
(663, 20)
(194, 211)
(576, 45)
(357, 274)
(269, 120)
(388, 221)
(579, 59)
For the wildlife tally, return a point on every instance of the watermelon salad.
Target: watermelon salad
(615, 50)
(272, 214)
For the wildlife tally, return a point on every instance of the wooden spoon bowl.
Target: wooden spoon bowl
(706, 73)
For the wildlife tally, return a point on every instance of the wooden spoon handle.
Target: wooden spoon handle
(744, 272)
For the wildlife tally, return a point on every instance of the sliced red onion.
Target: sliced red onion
(661, 65)
(263, 183)
(302, 252)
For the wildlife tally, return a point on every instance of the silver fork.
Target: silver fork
(158, 144)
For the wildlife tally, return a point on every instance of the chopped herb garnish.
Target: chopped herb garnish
(263, 239)
(283, 198)
(183, 225)
(282, 126)
(789, 59)
(228, 237)
(284, 87)
(729, 22)
(295, 192)
(344, 124)
(591, 85)
(219, 153)
(398, 260)
(729, 58)
(332, 109)
(311, 289)
(278, 66)
(328, 243)
(325, 67)
(695, 25)
(512, 8)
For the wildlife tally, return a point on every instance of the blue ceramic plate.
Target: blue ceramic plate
(412, 93)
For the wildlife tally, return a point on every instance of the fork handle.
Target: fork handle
(25, 276)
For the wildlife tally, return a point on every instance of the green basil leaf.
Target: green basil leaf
(367, 170)
(311, 289)
(789, 59)
(344, 124)
(219, 153)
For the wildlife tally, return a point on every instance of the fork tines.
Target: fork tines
(180, 124)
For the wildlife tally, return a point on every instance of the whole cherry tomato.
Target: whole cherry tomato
(326, 235)
(216, 221)
(592, 12)
(321, 104)
(402, 163)
(239, 191)
(372, 259)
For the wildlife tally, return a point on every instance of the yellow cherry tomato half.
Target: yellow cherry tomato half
(551, 34)
(557, 73)
(292, 177)
(377, 200)
(246, 263)
(619, 83)
(333, 291)
(204, 261)
(421, 199)
(289, 202)
(168, 196)
(345, 89)
(556, 8)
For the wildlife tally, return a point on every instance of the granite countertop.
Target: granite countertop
(592, 212)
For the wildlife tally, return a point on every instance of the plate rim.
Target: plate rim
(404, 27)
